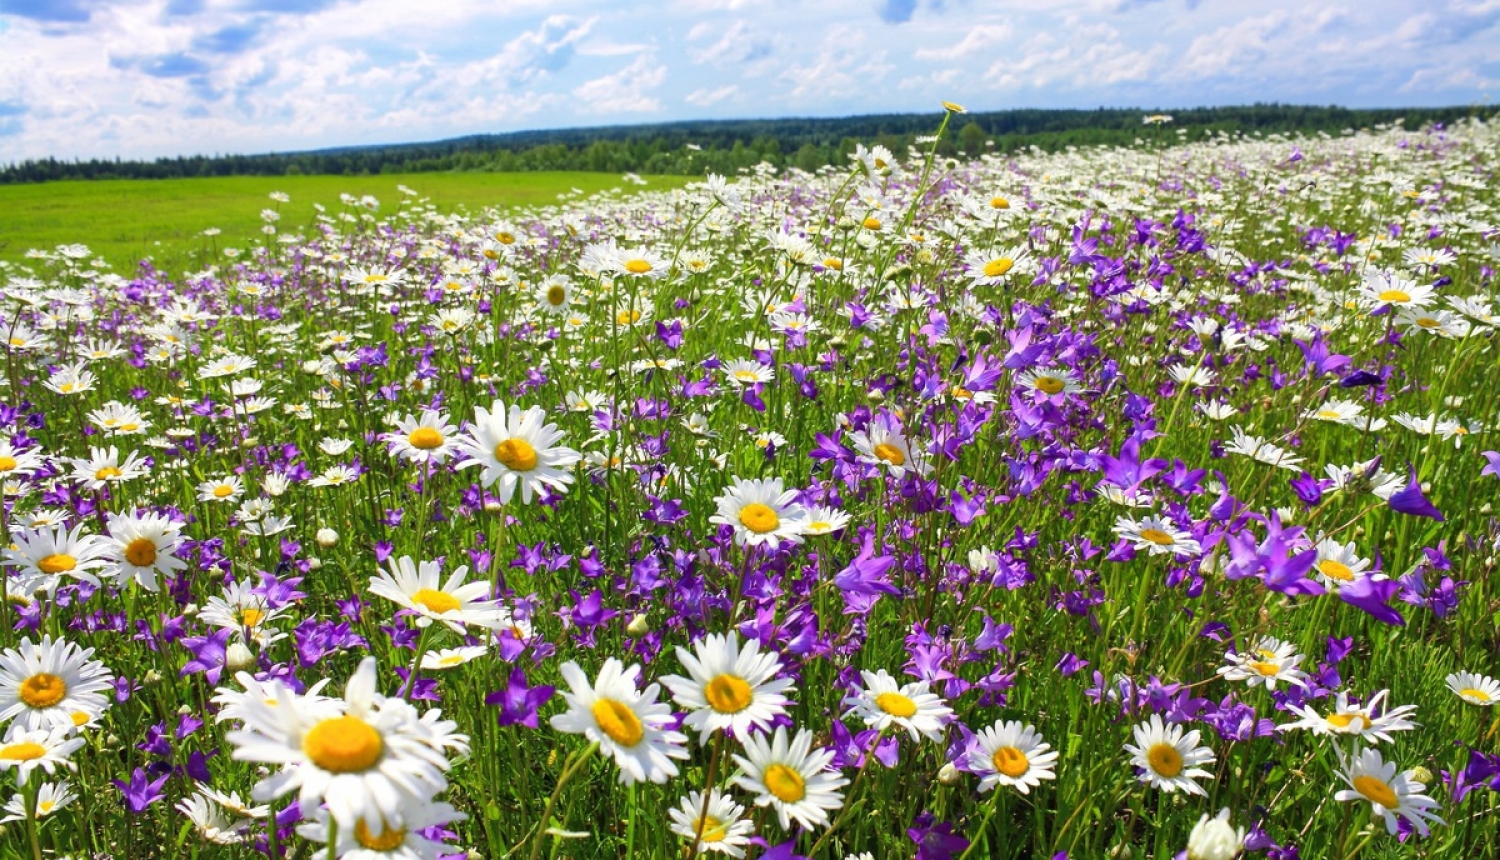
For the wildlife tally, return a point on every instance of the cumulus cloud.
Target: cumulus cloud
(624, 91)
(981, 39)
(706, 97)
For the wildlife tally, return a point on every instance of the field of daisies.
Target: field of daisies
(1101, 504)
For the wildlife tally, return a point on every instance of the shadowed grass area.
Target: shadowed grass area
(125, 220)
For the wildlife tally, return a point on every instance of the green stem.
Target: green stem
(570, 768)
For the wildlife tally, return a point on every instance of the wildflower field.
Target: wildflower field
(1113, 503)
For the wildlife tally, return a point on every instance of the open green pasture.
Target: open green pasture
(126, 220)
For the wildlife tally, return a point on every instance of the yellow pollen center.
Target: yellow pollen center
(1010, 761)
(556, 296)
(387, 839)
(999, 203)
(637, 266)
(223, 491)
(710, 829)
(998, 266)
(1336, 570)
(872, 223)
(27, 751)
(1342, 721)
(516, 454)
(451, 660)
(618, 722)
(1157, 536)
(759, 518)
(1165, 760)
(819, 527)
(43, 690)
(745, 375)
(1266, 669)
(435, 601)
(1049, 384)
(106, 473)
(79, 718)
(425, 439)
(784, 783)
(961, 393)
(727, 694)
(1429, 322)
(45, 806)
(1329, 415)
(834, 263)
(141, 552)
(896, 704)
(7, 464)
(57, 563)
(1475, 694)
(890, 453)
(630, 317)
(1395, 296)
(1376, 791)
(505, 238)
(343, 745)
(250, 616)
(128, 428)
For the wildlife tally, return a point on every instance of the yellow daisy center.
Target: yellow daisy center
(343, 745)
(998, 266)
(425, 438)
(435, 601)
(1329, 415)
(759, 518)
(1049, 384)
(637, 266)
(1010, 761)
(1342, 721)
(57, 563)
(223, 491)
(618, 722)
(26, 751)
(516, 454)
(1336, 570)
(727, 694)
(505, 238)
(999, 203)
(819, 527)
(1475, 694)
(43, 690)
(890, 454)
(1376, 791)
(745, 375)
(710, 829)
(896, 704)
(786, 784)
(872, 223)
(1266, 669)
(630, 317)
(1395, 296)
(451, 660)
(7, 463)
(106, 473)
(1429, 322)
(388, 839)
(556, 296)
(79, 718)
(1158, 537)
(1165, 760)
(834, 263)
(141, 552)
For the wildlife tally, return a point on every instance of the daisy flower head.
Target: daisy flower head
(367, 758)
(140, 548)
(884, 703)
(418, 586)
(1049, 381)
(516, 448)
(427, 439)
(213, 825)
(628, 723)
(1157, 536)
(399, 836)
(42, 557)
(1012, 754)
(822, 520)
(729, 686)
(51, 684)
(47, 748)
(1168, 757)
(991, 268)
(790, 777)
(885, 444)
(1215, 838)
(1387, 289)
(1474, 688)
(760, 512)
(1364, 721)
(449, 658)
(103, 467)
(1340, 564)
(1271, 660)
(555, 294)
(1391, 795)
(18, 463)
(721, 829)
(50, 797)
(227, 489)
(244, 612)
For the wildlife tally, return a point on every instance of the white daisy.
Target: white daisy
(1474, 688)
(517, 449)
(1169, 759)
(1271, 660)
(1362, 721)
(47, 748)
(140, 548)
(50, 797)
(1157, 536)
(760, 512)
(428, 439)
(42, 557)
(416, 586)
(790, 777)
(1390, 795)
(52, 684)
(729, 686)
(627, 723)
(1011, 753)
(884, 703)
(721, 829)
(884, 444)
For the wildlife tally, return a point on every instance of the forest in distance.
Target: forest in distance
(725, 146)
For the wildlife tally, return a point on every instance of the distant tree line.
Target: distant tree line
(725, 146)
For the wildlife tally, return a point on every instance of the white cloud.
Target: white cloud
(625, 90)
(981, 39)
(706, 97)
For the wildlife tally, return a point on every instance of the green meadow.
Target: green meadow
(126, 220)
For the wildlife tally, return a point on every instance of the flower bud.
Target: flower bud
(638, 626)
(327, 538)
(949, 774)
(237, 657)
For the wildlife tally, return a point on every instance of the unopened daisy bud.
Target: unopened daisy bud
(949, 774)
(1215, 839)
(152, 677)
(311, 366)
(327, 538)
(875, 396)
(491, 506)
(315, 563)
(1422, 775)
(237, 657)
(638, 626)
(846, 223)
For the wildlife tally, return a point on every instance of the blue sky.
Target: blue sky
(144, 78)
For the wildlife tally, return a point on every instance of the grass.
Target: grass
(126, 220)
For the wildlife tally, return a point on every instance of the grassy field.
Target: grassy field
(126, 220)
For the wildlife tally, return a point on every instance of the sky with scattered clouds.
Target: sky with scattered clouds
(146, 78)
